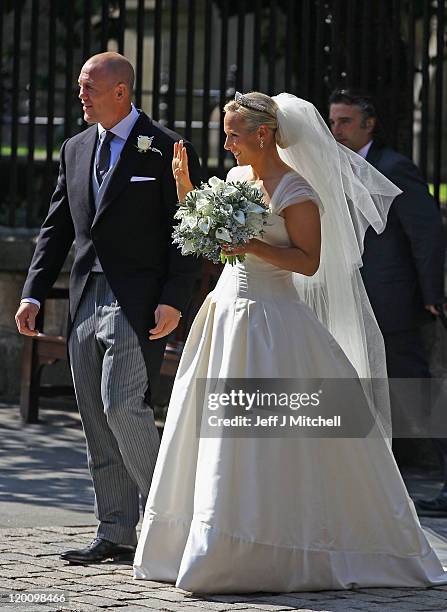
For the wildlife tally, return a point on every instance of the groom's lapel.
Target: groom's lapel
(125, 165)
(85, 153)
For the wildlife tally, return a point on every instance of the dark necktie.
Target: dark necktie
(103, 162)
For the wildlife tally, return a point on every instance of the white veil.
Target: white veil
(353, 195)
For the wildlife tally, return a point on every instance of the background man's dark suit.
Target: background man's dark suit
(130, 233)
(403, 268)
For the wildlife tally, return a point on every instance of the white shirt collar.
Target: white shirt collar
(124, 127)
(365, 150)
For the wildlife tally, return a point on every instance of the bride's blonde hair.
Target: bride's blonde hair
(249, 106)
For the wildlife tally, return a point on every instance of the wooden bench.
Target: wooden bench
(46, 349)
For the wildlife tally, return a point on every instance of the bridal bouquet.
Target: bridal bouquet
(219, 213)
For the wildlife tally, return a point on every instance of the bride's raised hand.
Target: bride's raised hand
(180, 170)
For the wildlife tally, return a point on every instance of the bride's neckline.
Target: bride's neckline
(253, 180)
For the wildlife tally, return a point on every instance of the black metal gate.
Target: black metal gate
(191, 55)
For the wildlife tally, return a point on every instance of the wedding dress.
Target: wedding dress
(229, 515)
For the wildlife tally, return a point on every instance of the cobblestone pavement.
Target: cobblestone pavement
(30, 563)
(42, 473)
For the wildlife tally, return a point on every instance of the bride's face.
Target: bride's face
(244, 144)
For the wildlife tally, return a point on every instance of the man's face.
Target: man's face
(348, 126)
(98, 95)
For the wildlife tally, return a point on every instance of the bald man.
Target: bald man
(116, 197)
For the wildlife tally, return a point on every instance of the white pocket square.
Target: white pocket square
(135, 179)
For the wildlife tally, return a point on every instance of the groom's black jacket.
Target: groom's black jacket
(130, 232)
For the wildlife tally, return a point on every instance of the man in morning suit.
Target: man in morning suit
(403, 268)
(116, 198)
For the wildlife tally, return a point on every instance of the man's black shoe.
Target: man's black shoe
(100, 550)
(432, 507)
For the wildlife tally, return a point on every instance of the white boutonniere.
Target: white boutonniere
(144, 144)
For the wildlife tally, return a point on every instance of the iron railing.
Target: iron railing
(190, 56)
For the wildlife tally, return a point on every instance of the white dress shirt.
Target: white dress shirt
(365, 150)
(121, 133)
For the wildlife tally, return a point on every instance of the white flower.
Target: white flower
(223, 234)
(191, 221)
(144, 144)
(204, 225)
(188, 221)
(202, 204)
(239, 216)
(254, 222)
(254, 208)
(216, 184)
(187, 247)
(207, 193)
(230, 190)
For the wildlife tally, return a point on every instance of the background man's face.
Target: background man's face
(348, 126)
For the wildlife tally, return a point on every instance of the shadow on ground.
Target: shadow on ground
(44, 463)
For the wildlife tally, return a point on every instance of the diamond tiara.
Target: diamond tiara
(248, 103)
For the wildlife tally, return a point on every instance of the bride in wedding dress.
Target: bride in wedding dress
(244, 514)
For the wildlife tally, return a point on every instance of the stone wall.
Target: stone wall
(16, 250)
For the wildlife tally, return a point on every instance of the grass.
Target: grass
(40, 153)
(442, 192)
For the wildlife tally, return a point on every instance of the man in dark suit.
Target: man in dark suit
(116, 197)
(403, 268)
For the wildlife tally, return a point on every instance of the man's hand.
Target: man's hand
(435, 309)
(166, 320)
(26, 319)
(432, 308)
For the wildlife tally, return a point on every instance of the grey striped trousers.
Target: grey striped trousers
(110, 381)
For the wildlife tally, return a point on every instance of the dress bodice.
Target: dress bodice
(255, 277)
